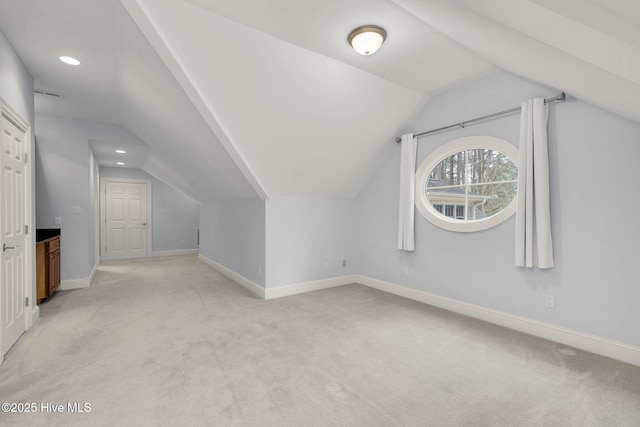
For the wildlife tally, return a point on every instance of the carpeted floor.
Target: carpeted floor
(169, 341)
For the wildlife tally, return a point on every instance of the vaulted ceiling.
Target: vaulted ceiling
(234, 99)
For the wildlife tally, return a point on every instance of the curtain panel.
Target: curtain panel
(534, 246)
(406, 211)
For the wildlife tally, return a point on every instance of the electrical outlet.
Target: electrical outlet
(550, 302)
(325, 265)
(57, 220)
(405, 272)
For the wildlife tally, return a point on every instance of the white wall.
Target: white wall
(16, 90)
(232, 234)
(594, 178)
(305, 233)
(175, 215)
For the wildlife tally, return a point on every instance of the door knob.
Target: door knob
(5, 247)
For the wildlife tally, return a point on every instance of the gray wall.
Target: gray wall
(594, 177)
(305, 233)
(232, 233)
(16, 83)
(175, 215)
(281, 241)
(94, 207)
(16, 90)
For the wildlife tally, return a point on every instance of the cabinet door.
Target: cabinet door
(42, 284)
(54, 270)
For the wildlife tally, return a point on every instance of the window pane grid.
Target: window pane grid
(480, 179)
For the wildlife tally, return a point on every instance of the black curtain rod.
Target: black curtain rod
(560, 97)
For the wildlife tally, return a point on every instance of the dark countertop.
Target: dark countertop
(43, 234)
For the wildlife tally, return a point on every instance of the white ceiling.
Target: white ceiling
(42, 30)
(561, 43)
(239, 98)
(415, 56)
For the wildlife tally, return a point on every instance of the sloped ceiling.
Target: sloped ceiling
(234, 99)
(183, 151)
(307, 124)
(560, 43)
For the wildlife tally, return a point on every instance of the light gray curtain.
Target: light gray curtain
(534, 246)
(406, 233)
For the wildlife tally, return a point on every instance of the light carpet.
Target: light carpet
(170, 341)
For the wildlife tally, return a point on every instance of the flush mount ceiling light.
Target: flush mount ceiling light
(120, 163)
(69, 60)
(367, 39)
(121, 152)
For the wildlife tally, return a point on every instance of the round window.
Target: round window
(468, 184)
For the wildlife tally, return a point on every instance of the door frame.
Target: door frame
(103, 207)
(32, 309)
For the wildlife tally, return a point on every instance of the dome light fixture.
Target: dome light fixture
(367, 39)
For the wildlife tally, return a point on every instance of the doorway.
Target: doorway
(125, 218)
(15, 218)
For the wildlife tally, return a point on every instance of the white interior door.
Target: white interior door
(126, 219)
(13, 192)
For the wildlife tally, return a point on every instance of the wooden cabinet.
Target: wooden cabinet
(47, 267)
(42, 291)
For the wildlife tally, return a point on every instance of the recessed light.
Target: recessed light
(69, 60)
(120, 163)
(121, 152)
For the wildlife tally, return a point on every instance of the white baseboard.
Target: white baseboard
(92, 276)
(176, 252)
(240, 279)
(594, 344)
(314, 285)
(280, 291)
(35, 315)
(66, 285)
(85, 282)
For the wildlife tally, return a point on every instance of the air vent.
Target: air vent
(48, 93)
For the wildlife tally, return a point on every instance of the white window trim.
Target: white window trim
(446, 150)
